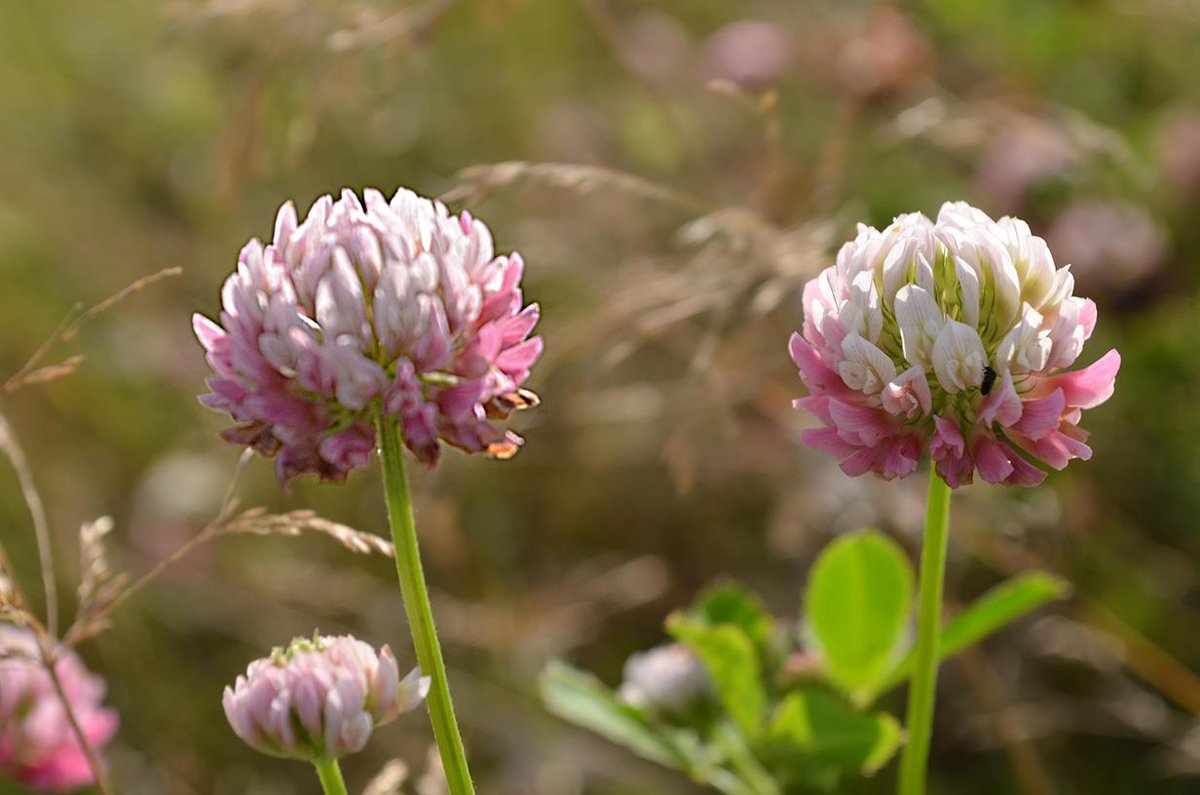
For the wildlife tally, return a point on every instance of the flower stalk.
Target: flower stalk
(417, 607)
(330, 774)
(923, 687)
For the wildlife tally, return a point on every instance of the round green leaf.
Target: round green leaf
(857, 606)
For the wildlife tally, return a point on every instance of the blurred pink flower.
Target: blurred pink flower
(750, 53)
(38, 748)
(319, 698)
(1114, 245)
(954, 337)
(394, 306)
(1179, 152)
(1020, 158)
(887, 54)
(657, 46)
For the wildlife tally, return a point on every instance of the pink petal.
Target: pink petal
(1024, 473)
(1040, 417)
(1003, 404)
(861, 424)
(1091, 386)
(948, 449)
(517, 328)
(947, 441)
(827, 440)
(956, 471)
(991, 460)
(817, 376)
(902, 457)
(1087, 317)
(458, 402)
(817, 405)
(1056, 449)
(520, 358)
(208, 332)
(867, 459)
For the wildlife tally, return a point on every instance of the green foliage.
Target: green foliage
(582, 699)
(990, 613)
(857, 606)
(734, 665)
(729, 604)
(781, 718)
(811, 730)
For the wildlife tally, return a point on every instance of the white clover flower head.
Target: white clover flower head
(319, 698)
(366, 307)
(666, 679)
(951, 335)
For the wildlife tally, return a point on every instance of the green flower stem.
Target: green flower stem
(919, 722)
(331, 777)
(750, 773)
(416, 604)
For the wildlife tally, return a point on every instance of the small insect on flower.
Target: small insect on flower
(952, 336)
(989, 380)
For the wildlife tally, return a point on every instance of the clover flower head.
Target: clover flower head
(319, 698)
(666, 679)
(367, 307)
(955, 336)
(38, 747)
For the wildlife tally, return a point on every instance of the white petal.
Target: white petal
(896, 267)
(958, 357)
(1004, 281)
(1064, 288)
(865, 368)
(1068, 335)
(963, 215)
(861, 313)
(1036, 266)
(1026, 348)
(968, 284)
(920, 321)
(908, 393)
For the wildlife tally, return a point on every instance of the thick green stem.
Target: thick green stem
(331, 777)
(416, 605)
(929, 628)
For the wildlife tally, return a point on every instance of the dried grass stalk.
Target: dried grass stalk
(258, 521)
(389, 780)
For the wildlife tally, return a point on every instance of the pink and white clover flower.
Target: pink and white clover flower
(955, 336)
(391, 306)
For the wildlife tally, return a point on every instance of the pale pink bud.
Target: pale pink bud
(319, 698)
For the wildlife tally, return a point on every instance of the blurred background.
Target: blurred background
(672, 172)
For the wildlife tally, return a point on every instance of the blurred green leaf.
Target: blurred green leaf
(731, 604)
(989, 613)
(582, 699)
(811, 731)
(857, 605)
(732, 661)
